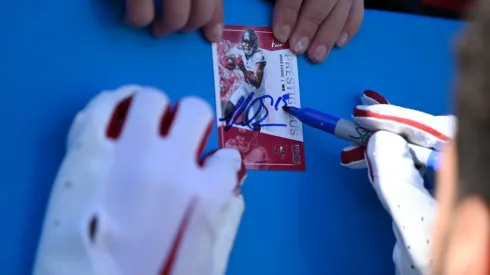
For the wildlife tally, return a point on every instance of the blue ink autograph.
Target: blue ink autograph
(246, 105)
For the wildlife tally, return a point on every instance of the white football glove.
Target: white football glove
(417, 127)
(133, 196)
(395, 177)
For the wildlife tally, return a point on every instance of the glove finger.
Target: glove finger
(146, 108)
(417, 127)
(400, 189)
(353, 157)
(96, 116)
(370, 97)
(191, 126)
(227, 166)
(388, 157)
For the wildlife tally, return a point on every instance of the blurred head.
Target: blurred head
(462, 233)
(250, 42)
(245, 140)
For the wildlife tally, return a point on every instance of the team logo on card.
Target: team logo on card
(281, 151)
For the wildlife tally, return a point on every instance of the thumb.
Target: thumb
(400, 189)
(389, 159)
(227, 166)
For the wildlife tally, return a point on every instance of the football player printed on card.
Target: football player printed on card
(255, 76)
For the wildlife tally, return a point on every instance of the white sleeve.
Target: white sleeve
(259, 57)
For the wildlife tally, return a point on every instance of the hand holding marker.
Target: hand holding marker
(356, 134)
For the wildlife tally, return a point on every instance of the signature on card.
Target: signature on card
(254, 111)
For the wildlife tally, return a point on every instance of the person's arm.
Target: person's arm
(254, 78)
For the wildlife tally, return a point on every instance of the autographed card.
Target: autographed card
(255, 76)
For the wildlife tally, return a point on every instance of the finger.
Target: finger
(388, 155)
(174, 17)
(312, 14)
(139, 13)
(213, 30)
(353, 23)
(417, 127)
(329, 31)
(226, 164)
(400, 189)
(284, 18)
(353, 157)
(201, 13)
(96, 117)
(370, 97)
(139, 138)
(192, 126)
(143, 118)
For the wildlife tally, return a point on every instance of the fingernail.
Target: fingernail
(217, 32)
(342, 39)
(282, 33)
(319, 52)
(301, 45)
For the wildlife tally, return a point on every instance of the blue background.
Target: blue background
(56, 55)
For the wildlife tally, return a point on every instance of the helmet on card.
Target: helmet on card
(250, 42)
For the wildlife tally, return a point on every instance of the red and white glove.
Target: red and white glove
(419, 128)
(134, 196)
(393, 175)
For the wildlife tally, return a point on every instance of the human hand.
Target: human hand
(316, 26)
(133, 194)
(397, 180)
(416, 127)
(177, 15)
(400, 188)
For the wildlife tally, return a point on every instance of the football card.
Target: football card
(255, 76)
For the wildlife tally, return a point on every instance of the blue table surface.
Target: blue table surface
(56, 55)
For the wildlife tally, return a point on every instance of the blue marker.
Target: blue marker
(348, 130)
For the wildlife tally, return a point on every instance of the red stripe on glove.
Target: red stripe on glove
(409, 122)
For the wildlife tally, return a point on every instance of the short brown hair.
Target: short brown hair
(473, 104)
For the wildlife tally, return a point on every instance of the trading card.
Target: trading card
(255, 76)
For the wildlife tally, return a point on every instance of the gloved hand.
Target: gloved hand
(392, 172)
(134, 196)
(419, 128)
